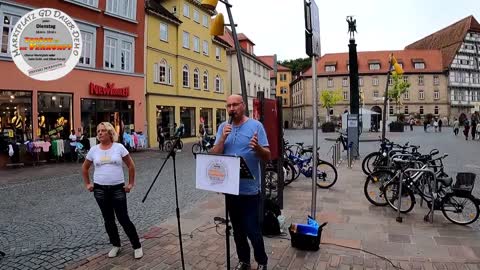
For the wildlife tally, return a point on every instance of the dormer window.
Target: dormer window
(330, 68)
(420, 65)
(374, 64)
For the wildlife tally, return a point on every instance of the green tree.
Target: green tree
(297, 65)
(398, 88)
(328, 99)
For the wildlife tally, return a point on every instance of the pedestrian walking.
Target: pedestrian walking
(440, 123)
(473, 125)
(466, 128)
(160, 138)
(412, 122)
(456, 126)
(109, 188)
(245, 137)
(425, 125)
(435, 124)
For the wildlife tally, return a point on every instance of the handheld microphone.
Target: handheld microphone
(231, 115)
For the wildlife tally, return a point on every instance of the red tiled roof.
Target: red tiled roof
(269, 60)
(156, 8)
(433, 62)
(242, 36)
(227, 37)
(448, 39)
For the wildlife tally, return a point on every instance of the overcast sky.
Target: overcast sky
(277, 26)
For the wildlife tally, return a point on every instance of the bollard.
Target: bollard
(339, 154)
(334, 155)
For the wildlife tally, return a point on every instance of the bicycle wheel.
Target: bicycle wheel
(373, 188)
(168, 146)
(460, 210)
(326, 174)
(391, 193)
(368, 163)
(289, 172)
(196, 148)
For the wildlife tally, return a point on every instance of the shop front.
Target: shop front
(46, 112)
(166, 114)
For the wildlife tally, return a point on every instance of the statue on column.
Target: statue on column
(352, 26)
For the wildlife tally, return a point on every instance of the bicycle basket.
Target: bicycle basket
(464, 184)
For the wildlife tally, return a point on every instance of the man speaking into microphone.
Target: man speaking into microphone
(245, 137)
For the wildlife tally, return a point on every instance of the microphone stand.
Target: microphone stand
(172, 154)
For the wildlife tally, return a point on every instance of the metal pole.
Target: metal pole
(315, 137)
(238, 50)
(385, 100)
(399, 218)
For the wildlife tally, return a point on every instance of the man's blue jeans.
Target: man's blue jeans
(244, 213)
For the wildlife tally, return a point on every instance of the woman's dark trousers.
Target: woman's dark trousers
(113, 202)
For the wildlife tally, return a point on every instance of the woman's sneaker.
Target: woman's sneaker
(113, 252)
(138, 253)
(242, 266)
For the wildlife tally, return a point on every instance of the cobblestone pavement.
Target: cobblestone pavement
(48, 218)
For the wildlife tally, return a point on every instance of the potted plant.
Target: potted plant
(398, 88)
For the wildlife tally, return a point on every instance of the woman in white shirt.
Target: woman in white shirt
(109, 187)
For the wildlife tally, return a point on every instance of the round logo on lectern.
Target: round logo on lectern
(216, 172)
(45, 44)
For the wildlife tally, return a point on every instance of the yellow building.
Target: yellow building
(186, 70)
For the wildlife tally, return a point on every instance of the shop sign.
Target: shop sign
(109, 90)
(45, 44)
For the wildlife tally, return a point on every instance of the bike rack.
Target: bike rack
(336, 154)
(349, 155)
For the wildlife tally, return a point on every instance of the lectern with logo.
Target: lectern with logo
(222, 173)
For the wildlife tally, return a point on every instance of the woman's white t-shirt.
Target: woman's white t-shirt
(108, 164)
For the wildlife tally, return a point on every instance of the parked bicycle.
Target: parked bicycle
(203, 145)
(169, 143)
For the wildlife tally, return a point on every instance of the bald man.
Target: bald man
(245, 137)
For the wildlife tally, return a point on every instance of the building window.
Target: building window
(19, 103)
(476, 78)
(185, 75)
(205, 21)
(93, 3)
(283, 77)
(205, 80)
(196, 44)
(374, 66)
(405, 79)
(390, 81)
(205, 47)
(123, 8)
(221, 116)
(283, 90)
(330, 82)
(436, 80)
(57, 110)
(186, 40)
(165, 120)
(163, 32)
(187, 119)
(475, 96)
(217, 53)
(375, 93)
(345, 82)
(186, 10)
(421, 110)
(406, 95)
(88, 49)
(390, 110)
(8, 22)
(218, 84)
(435, 111)
(420, 80)
(330, 68)
(436, 94)
(196, 16)
(406, 110)
(360, 81)
(345, 95)
(196, 79)
(118, 52)
(375, 81)
(163, 72)
(421, 95)
(419, 65)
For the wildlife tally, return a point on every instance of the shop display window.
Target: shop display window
(15, 116)
(206, 118)
(166, 120)
(55, 114)
(120, 113)
(187, 118)
(221, 116)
